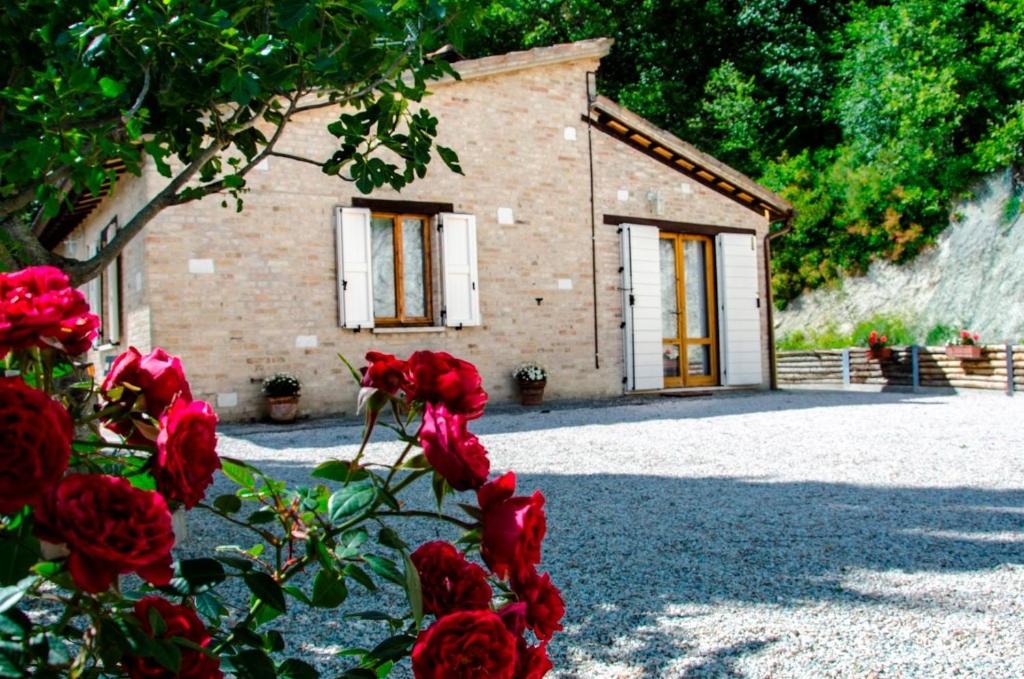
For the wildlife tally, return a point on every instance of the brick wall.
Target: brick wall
(273, 280)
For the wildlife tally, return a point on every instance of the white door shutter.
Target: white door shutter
(739, 309)
(642, 307)
(459, 270)
(355, 282)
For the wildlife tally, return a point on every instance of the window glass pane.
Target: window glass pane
(698, 359)
(670, 360)
(382, 250)
(669, 302)
(696, 289)
(413, 287)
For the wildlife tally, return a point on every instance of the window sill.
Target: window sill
(107, 347)
(409, 330)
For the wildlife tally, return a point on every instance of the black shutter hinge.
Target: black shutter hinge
(344, 285)
(622, 325)
(632, 300)
(624, 379)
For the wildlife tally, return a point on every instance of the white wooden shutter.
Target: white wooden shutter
(642, 307)
(355, 282)
(459, 270)
(739, 309)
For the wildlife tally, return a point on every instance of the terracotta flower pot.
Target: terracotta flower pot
(964, 352)
(283, 408)
(880, 354)
(531, 392)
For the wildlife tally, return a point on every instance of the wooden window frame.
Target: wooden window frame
(400, 319)
(683, 342)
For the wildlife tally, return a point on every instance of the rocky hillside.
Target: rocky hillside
(973, 277)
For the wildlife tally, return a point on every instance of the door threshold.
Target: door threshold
(691, 392)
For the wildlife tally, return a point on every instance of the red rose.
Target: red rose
(465, 645)
(157, 377)
(532, 662)
(442, 378)
(38, 308)
(544, 605)
(449, 447)
(449, 582)
(186, 456)
(513, 527)
(384, 372)
(180, 622)
(109, 527)
(35, 437)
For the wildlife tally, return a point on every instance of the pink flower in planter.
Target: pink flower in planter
(449, 447)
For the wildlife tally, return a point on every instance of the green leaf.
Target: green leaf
(333, 470)
(111, 88)
(238, 471)
(450, 158)
(11, 595)
(389, 538)
(329, 590)
(193, 576)
(473, 511)
(386, 568)
(293, 668)
(351, 500)
(229, 504)
(266, 589)
(263, 515)
(356, 375)
(253, 663)
(392, 648)
(413, 589)
(359, 575)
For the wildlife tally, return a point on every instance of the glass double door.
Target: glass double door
(688, 327)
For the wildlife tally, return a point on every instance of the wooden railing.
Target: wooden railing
(1001, 367)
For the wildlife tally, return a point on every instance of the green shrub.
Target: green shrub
(941, 334)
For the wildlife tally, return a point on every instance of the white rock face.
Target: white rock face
(973, 277)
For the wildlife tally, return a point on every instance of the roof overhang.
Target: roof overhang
(76, 207)
(665, 147)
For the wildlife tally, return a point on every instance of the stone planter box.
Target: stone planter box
(964, 352)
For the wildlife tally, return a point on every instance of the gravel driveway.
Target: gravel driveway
(794, 534)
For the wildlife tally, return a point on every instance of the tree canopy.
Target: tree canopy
(204, 90)
(872, 117)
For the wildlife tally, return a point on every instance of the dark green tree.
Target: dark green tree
(204, 90)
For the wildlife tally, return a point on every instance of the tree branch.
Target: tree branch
(26, 196)
(301, 159)
(388, 74)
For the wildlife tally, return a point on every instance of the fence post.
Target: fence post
(1009, 369)
(915, 367)
(846, 367)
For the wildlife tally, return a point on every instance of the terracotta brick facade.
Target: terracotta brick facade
(242, 295)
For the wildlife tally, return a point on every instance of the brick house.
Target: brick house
(581, 236)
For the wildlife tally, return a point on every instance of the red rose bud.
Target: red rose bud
(186, 452)
(544, 605)
(513, 527)
(441, 378)
(38, 308)
(157, 377)
(384, 372)
(449, 582)
(35, 437)
(179, 622)
(465, 645)
(110, 528)
(449, 447)
(884, 339)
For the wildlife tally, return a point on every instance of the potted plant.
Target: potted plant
(282, 392)
(878, 347)
(967, 349)
(531, 378)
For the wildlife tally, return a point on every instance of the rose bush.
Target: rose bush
(91, 478)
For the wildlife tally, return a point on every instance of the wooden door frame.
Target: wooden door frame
(711, 300)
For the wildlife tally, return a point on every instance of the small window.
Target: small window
(110, 308)
(400, 252)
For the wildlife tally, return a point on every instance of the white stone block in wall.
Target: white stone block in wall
(200, 266)
(565, 284)
(227, 400)
(686, 189)
(505, 216)
(263, 165)
(305, 341)
(623, 195)
(570, 133)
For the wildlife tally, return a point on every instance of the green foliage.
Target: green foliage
(898, 331)
(940, 335)
(202, 88)
(872, 118)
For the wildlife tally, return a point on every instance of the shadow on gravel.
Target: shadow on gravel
(633, 551)
(506, 418)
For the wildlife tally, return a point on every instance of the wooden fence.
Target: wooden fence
(1001, 367)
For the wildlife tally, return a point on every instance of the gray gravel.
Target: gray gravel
(794, 534)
